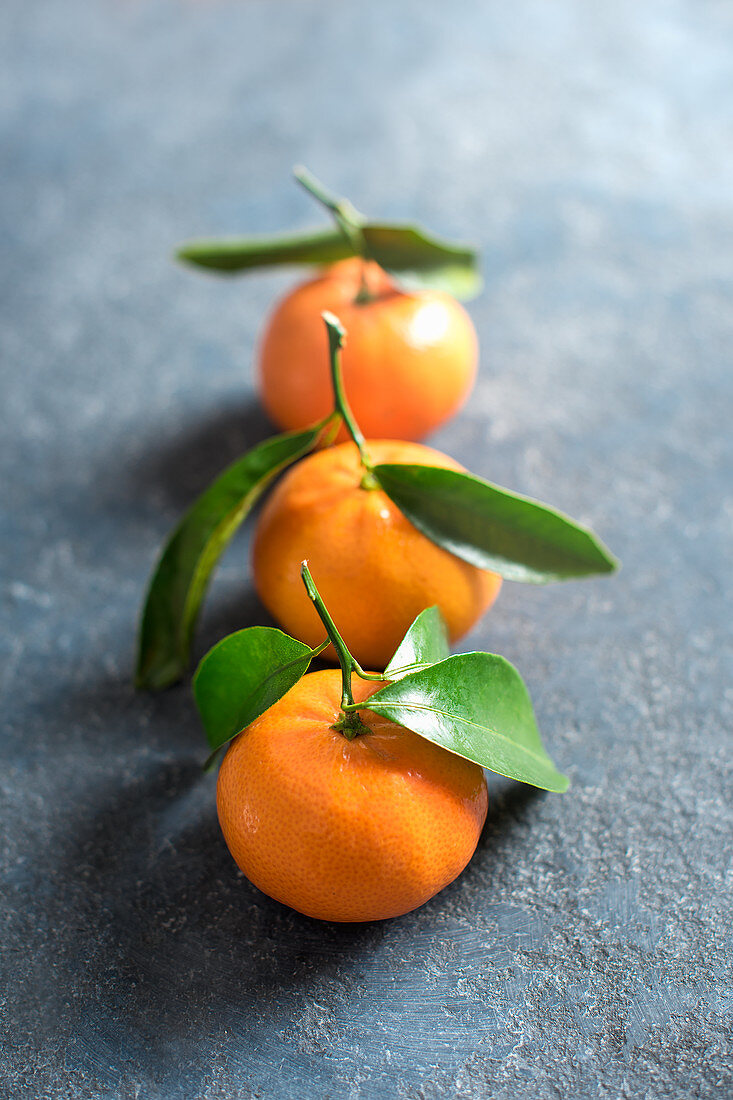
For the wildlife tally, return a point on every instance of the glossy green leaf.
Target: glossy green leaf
(476, 705)
(233, 254)
(425, 643)
(188, 560)
(420, 260)
(241, 677)
(416, 258)
(494, 528)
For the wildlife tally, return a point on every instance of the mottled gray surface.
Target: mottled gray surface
(588, 147)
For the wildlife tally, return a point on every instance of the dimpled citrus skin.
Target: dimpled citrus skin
(346, 830)
(409, 360)
(375, 570)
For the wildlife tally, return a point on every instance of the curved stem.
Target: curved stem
(367, 675)
(336, 334)
(350, 723)
(345, 659)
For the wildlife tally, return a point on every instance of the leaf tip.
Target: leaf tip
(185, 253)
(158, 678)
(608, 562)
(615, 564)
(139, 681)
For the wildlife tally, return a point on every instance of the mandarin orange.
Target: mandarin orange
(376, 571)
(346, 830)
(408, 366)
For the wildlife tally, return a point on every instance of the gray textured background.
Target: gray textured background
(588, 149)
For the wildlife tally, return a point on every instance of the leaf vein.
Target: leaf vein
(467, 721)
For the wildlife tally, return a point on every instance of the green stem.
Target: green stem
(345, 659)
(336, 334)
(348, 218)
(350, 724)
(349, 221)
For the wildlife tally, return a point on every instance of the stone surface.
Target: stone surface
(587, 147)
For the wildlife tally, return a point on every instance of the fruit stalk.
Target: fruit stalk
(336, 334)
(350, 723)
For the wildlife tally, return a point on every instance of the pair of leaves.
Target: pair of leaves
(473, 704)
(476, 705)
(418, 259)
(489, 527)
(248, 671)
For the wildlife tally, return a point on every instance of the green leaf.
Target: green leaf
(420, 260)
(241, 677)
(416, 258)
(188, 560)
(494, 528)
(324, 246)
(425, 643)
(476, 705)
